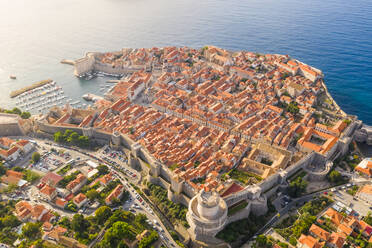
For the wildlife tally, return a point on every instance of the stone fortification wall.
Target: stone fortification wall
(9, 125)
(163, 183)
(126, 141)
(84, 65)
(101, 135)
(272, 191)
(178, 198)
(98, 136)
(364, 134)
(183, 199)
(42, 135)
(320, 175)
(305, 161)
(145, 156)
(259, 206)
(90, 63)
(10, 129)
(51, 129)
(165, 173)
(242, 214)
(188, 190)
(349, 131)
(269, 182)
(116, 70)
(234, 198)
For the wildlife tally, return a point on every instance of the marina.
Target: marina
(29, 88)
(41, 98)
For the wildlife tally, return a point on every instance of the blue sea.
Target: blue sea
(332, 35)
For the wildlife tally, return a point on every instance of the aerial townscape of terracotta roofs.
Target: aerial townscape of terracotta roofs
(218, 132)
(212, 107)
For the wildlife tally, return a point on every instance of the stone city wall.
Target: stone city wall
(259, 206)
(116, 70)
(269, 182)
(10, 129)
(9, 125)
(51, 129)
(242, 214)
(84, 65)
(188, 190)
(236, 197)
(305, 161)
(90, 63)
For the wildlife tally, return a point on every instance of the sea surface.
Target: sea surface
(332, 35)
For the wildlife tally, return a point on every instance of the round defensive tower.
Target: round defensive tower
(207, 214)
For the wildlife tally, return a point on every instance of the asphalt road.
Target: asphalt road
(340, 195)
(144, 207)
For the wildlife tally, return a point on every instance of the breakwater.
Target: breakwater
(16, 93)
(67, 62)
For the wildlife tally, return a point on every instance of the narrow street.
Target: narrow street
(125, 179)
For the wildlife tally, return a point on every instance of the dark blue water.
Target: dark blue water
(334, 36)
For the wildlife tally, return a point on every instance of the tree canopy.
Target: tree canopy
(102, 214)
(297, 187)
(335, 176)
(78, 223)
(35, 157)
(72, 138)
(31, 231)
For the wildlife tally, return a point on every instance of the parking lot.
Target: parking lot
(48, 162)
(356, 204)
(119, 160)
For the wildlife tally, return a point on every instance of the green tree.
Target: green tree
(114, 235)
(92, 194)
(16, 111)
(67, 134)
(293, 108)
(31, 231)
(73, 138)
(261, 240)
(25, 115)
(58, 137)
(10, 221)
(140, 218)
(35, 157)
(335, 176)
(83, 141)
(65, 222)
(293, 241)
(147, 241)
(2, 169)
(368, 218)
(102, 214)
(11, 187)
(297, 187)
(102, 169)
(30, 176)
(38, 244)
(17, 168)
(79, 224)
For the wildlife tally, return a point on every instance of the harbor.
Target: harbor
(42, 98)
(29, 88)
